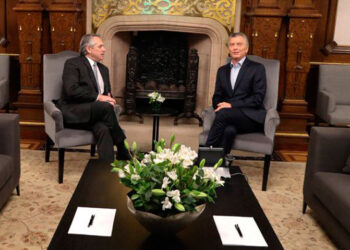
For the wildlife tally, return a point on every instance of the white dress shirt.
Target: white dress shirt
(235, 70)
(99, 76)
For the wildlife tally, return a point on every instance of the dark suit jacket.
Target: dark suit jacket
(80, 89)
(248, 93)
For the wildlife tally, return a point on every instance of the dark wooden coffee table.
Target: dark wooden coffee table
(98, 187)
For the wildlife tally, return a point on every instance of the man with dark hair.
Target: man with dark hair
(238, 98)
(87, 102)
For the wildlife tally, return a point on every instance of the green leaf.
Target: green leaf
(126, 144)
(198, 194)
(176, 148)
(134, 146)
(202, 163)
(135, 196)
(162, 142)
(159, 149)
(218, 164)
(180, 207)
(172, 139)
(115, 170)
(158, 192)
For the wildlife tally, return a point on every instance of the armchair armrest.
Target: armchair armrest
(328, 150)
(9, 138)
(52, 111)
(208, 116)
(4, 92)
(272, 120)
(118, 110)
(325, 104)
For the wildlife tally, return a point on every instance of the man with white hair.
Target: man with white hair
(87, 102)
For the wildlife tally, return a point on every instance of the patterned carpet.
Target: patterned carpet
(29, 221)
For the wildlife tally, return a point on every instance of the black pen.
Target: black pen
(239, 230)
(91, 220)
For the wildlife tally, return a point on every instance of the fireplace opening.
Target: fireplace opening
(161, 61)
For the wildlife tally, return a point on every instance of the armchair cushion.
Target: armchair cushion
(333, 190)
(334, 79)
(346, 169)
(341, 115)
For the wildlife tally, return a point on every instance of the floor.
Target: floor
(186, 132)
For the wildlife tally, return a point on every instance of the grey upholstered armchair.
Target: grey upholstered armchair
(333, 102)
(327, 181)
(54, 126)
(10, 161)
(255, 142)
(4, 80)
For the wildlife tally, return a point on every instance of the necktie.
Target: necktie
(94, 67)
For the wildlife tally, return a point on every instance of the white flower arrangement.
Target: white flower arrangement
(167, 181)
(155, 97)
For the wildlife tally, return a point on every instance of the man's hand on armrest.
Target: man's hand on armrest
(106, 98)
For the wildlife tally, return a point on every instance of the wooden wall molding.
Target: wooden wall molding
(334, 48)
(43, 26)
(263, 25)
(65, 28)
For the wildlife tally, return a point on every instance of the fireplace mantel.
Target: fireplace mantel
(210, 42)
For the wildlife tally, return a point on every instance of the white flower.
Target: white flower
(160, 98)
(172, 175)
(153, 95)
(166, 204)
(135, 177)
(165, 182)
(187, 162)
(195, 175)
(175, 194)
(127, 169)
(147, 159)
(121, 174)
(210, 174)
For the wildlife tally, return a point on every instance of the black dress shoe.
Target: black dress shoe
(123, 153)
(123, 156)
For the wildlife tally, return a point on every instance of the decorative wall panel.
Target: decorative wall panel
(220, 10)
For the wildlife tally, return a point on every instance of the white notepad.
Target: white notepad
(230, 236)
(222, 171)
(102, 223)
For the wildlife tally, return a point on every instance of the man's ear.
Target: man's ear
(88, 49)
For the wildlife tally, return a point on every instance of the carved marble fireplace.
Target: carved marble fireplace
(206, 35)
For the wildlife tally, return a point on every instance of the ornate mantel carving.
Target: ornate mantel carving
(222, 11)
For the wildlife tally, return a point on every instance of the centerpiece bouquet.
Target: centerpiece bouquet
(167, 182)
(156, 100)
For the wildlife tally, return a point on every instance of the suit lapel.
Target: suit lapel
(104, 77)
(241, 73)
(91, 73)
(228, 79)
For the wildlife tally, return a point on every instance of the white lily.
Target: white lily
(175, 194)
(166, 203)
(172, 174)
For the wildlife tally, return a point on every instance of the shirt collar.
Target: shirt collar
(92, 62)
(239, 64)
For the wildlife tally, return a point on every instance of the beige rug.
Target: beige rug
(29, 221)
